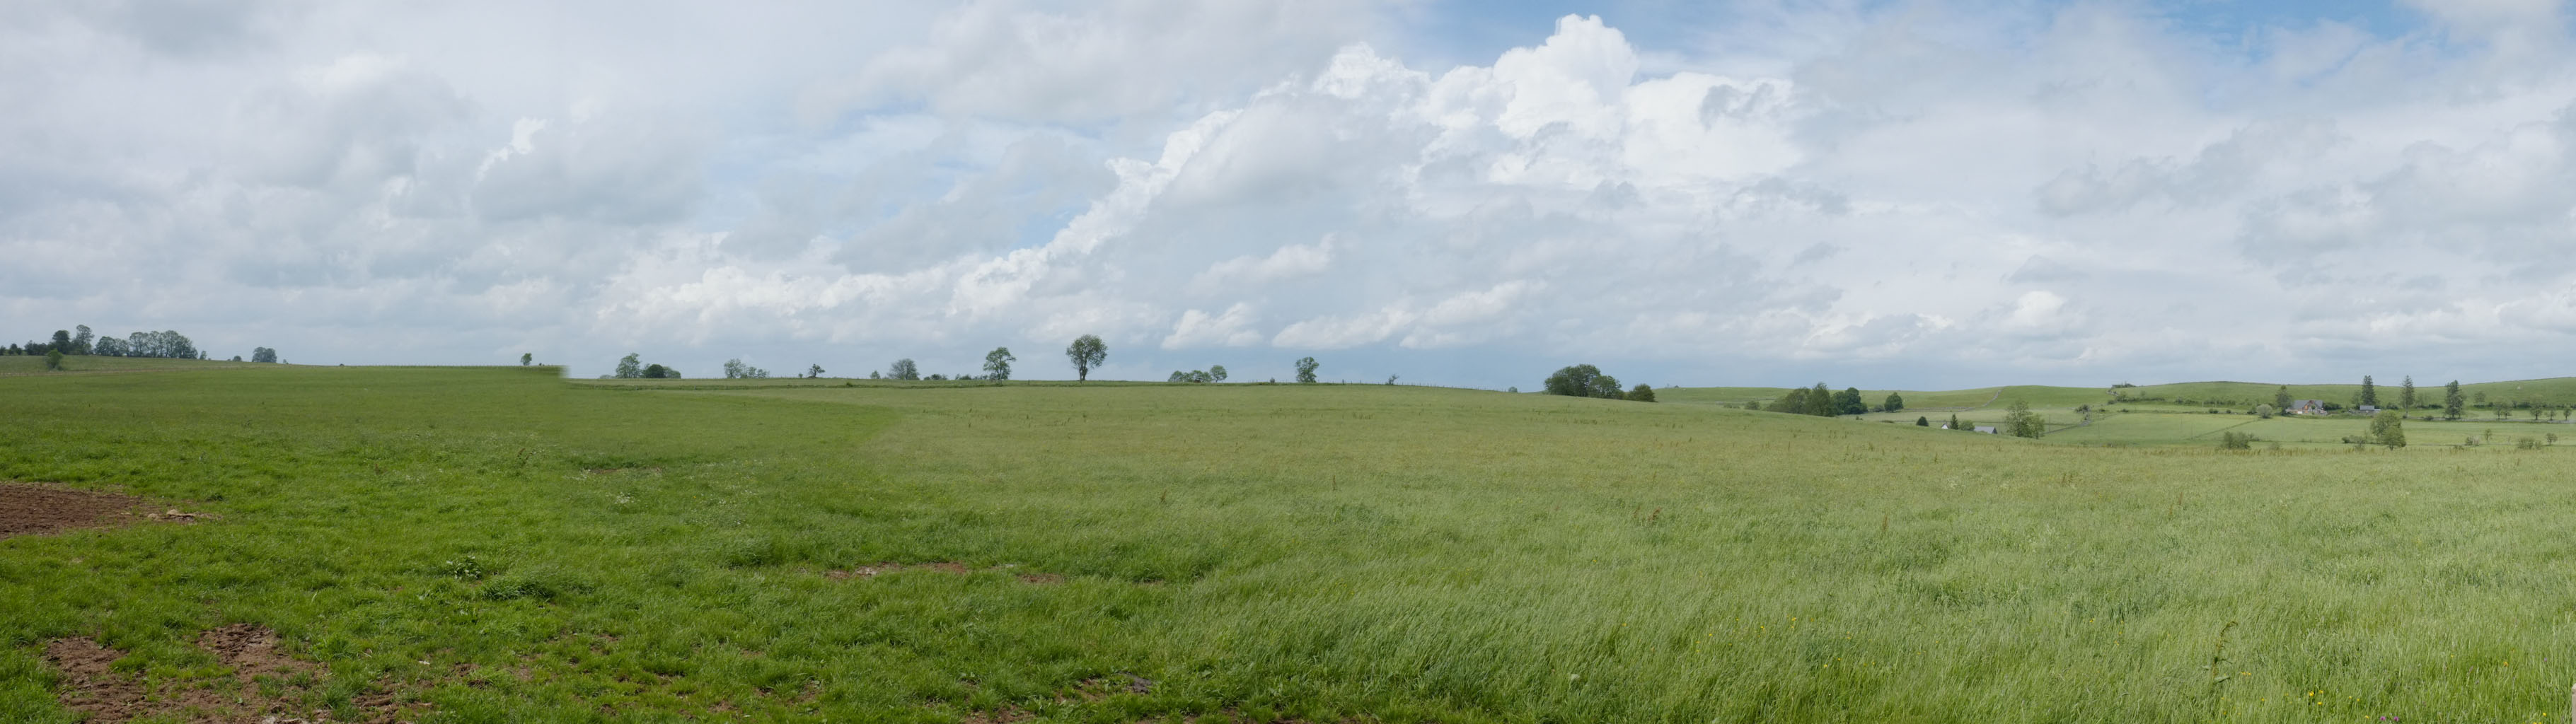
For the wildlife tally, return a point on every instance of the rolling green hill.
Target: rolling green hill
(2037, 395)
(2552, 392)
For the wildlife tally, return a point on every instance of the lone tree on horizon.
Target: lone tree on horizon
(997, 363)
(1087, 352)
(1583, 380)
(1306, 370)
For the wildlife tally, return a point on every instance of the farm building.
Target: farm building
(2307, 407)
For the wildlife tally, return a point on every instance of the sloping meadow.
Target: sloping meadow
(476, 545)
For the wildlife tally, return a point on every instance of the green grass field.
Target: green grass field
(502, 545)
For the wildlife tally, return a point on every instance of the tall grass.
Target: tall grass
(1319, 552)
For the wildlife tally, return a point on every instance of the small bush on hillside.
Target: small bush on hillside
(53, 359)
(2526, 444)
(2235, 441)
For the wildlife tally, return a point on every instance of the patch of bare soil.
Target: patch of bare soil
(1102, 687)
(88, 684)
(37, 509)
(260, 687)
(878, 569)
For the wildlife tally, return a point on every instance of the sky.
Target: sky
(1916, 195)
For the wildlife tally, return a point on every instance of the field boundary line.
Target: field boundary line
(2224, 429)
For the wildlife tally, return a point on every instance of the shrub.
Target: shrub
(2388, 428)
(2235, 441)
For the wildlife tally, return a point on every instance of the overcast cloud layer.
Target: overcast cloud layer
(1907, 194)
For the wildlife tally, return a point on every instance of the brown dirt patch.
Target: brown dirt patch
(261, 686)
(1102, 687)
(37, 509)
(88, 684)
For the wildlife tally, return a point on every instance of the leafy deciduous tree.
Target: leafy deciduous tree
(2022, 422)
(1793, 402)
(1306, 367)
(1582, 380)
(630, 366)
(1848, 402)
(1216, 373)
(904, 369)
(1895, 402)
(997, 363)
(1641, 393)
(1086, 353)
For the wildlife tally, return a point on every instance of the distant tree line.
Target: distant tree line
(632, 367)
(1086, 353)
(1214, 373)
(79, 340)
(165, 344)
(1823, 402)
